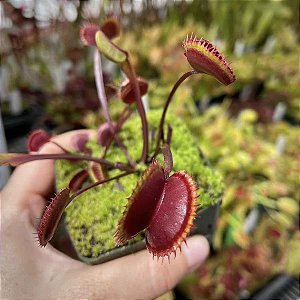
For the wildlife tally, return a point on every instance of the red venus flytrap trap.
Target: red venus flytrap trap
(167, 204)
(204, 57)
(162, 206)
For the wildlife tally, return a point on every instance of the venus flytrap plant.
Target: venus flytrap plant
(162, 205)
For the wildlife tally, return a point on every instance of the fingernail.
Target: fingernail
(196, 251)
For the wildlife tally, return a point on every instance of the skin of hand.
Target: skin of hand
(31, 272)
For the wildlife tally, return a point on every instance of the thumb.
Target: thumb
(136, 276)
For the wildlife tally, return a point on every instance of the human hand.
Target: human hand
(31, 272)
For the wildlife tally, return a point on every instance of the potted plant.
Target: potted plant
(153, 159)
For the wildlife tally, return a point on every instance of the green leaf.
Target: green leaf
(108, 49)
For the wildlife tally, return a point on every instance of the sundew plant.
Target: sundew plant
(150, 159)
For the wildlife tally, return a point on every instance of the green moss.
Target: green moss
(93, 217)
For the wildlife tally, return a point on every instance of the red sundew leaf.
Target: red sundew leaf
(96, 171)
(127, 91)
(142, 204)
(111, 28)
(51, 216)
(78, 180)
(87, 34)
(174, 217)
(37, 139)
(204, 57)
(105, 133)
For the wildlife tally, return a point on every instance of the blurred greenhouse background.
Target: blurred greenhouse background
(249, 131)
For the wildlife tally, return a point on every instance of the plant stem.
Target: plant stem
(76, 194)
(169, 134)
(103, 101)
(129, 71)
(19, 159)
(168, 159)
(162, 120)
(100, 86)
(125, 114)
(60, 147)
